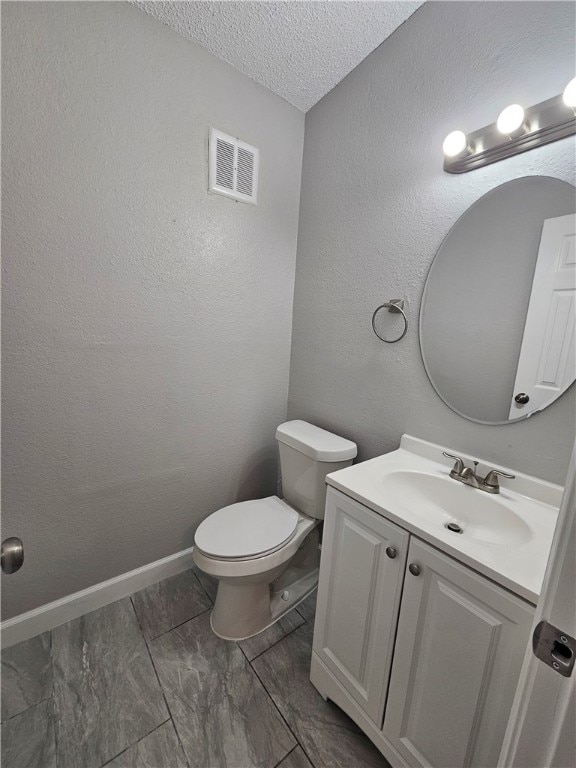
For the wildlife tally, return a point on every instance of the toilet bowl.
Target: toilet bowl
(265, 553)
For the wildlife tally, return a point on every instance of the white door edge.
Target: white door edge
(541, 719)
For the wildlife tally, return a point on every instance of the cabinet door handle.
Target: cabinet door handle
(414, 569)
(391, 552)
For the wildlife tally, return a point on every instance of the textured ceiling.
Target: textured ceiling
(299, 50)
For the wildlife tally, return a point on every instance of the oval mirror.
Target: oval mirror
(497, 320)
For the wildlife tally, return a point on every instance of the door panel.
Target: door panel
(542, 728)
(358, 599)
(457, 658)
(547, 362)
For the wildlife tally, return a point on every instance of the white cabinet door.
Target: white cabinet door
(459, 647)
(358, 599)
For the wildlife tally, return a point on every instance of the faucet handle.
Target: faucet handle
(491, 479)
(458, 467)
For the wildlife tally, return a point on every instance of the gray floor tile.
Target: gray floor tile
(160, 749)
(329, 738)
(169, 603)
(106, 693)
(26, 675)
(28, 739)
(296, 759)
(221, 711)
(256, 645)
(209, 583)
(307, 607)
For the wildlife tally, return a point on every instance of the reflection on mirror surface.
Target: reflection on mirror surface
(497, 321)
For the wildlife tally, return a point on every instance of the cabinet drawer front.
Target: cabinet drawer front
(459, 648)
(358, 598)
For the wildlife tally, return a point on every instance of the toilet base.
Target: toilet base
(247, 605)
(240, 613)
(240, 609)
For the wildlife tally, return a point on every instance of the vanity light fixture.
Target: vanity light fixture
(516, 130)
(456, 144)
(511, 121)
(569, 95)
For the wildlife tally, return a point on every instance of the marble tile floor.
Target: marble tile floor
(144, 683)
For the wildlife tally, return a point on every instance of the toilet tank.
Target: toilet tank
(307, 455)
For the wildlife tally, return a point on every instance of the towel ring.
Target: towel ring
(394, 305)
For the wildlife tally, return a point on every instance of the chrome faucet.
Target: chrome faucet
(469, 476)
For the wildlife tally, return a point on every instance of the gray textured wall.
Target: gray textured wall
(146, 324)
(376, 205)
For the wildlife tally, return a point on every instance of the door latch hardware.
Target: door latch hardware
(12, 555)
(554, 647)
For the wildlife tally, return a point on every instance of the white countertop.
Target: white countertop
(507, 536)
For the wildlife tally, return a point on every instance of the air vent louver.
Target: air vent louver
(233, 167)
(224, 164)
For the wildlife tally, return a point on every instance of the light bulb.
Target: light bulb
(511, 120)
(569, 95)
(455, 144)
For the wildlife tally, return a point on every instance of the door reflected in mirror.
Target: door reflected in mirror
(497, 321)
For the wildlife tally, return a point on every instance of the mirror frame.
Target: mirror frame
(421, 313)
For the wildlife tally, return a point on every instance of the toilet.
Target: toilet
(265, 553)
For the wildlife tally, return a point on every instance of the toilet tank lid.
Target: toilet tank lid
(314, 442)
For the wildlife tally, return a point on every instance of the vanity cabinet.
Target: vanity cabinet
(361, 574)
(459, 647)
(421, 651)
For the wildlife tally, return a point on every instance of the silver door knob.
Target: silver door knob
(414, 569)
(12, 555)
(522, 398)
(391, 552)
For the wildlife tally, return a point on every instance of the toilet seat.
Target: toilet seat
(247, 530)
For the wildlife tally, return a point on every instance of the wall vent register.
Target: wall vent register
(233, 168)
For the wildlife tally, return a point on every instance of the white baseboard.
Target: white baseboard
(51, 615)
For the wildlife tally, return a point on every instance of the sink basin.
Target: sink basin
(505, 536)
(479, 515)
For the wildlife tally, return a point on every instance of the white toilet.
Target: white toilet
(265, 553)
